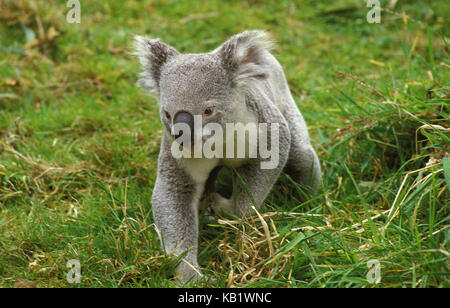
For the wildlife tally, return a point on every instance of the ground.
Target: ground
(79, 143)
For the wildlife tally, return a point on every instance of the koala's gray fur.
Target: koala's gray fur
(243, 82)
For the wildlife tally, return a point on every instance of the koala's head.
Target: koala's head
(210, 85)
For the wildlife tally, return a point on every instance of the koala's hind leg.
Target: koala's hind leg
(303, 165)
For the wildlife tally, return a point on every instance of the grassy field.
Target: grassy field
(79, 143)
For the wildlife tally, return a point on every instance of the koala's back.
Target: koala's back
(276, 86)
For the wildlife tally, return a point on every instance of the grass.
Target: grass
(79, 143)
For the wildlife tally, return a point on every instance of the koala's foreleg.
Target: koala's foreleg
(175, 210)
(303, 165)
(254, 182)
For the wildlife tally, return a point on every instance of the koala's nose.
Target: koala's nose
(186, 118)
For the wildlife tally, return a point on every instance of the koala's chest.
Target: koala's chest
(200, 168)
(240, 140)
(238, 148)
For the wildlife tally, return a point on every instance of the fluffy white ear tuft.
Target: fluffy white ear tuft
(152, 54)
(243, 55)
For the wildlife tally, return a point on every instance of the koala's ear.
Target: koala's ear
(243, 56)
(153, 54)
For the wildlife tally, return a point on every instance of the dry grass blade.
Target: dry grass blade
(266, 229)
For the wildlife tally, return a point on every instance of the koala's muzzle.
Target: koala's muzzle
(186, 118)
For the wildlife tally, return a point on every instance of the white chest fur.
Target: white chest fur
(200, 168)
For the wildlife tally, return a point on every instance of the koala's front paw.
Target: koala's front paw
(188, 273)
(221, 205)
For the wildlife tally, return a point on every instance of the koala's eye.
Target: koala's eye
(208, 111)
(167, 115)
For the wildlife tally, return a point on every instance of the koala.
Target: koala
(240, 81)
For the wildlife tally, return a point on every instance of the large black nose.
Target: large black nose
(186, 118)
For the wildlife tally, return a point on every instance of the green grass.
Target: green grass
(79, 143)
